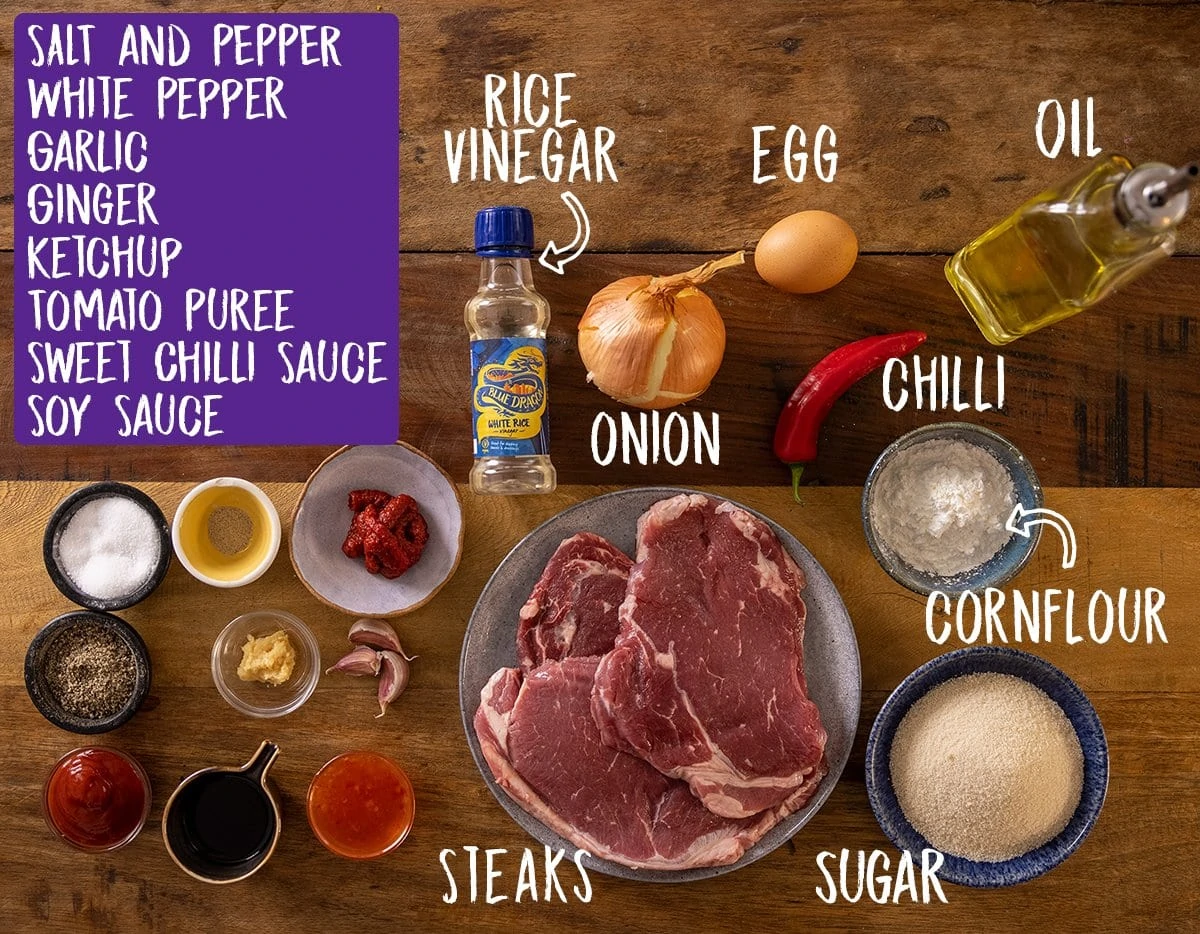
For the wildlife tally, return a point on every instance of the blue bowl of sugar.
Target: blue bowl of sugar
(976, 748)
(107, 546)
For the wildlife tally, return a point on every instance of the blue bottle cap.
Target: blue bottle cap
(504, 231)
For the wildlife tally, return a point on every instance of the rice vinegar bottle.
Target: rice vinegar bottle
(1070, 246)
(507, 321)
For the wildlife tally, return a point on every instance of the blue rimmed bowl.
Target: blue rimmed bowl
(1012, 556)
(1041, 674)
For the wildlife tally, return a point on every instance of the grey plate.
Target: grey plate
(830, 658)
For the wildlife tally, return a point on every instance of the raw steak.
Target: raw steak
(573, 607)
(544, 748)
(706, 682)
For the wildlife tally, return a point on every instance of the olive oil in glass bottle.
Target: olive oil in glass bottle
(1070, 246)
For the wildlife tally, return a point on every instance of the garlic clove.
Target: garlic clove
(393, 678)
(361, 661)
(375, 633)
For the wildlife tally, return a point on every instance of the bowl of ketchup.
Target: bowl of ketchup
(96, 798)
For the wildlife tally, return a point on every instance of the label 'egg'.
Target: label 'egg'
(806, 252)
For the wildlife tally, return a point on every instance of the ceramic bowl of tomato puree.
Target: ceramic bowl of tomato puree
(360, 805)
(96, 798)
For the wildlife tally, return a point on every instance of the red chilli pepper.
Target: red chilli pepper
(800, 421)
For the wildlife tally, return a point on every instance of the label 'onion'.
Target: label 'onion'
(654, 342)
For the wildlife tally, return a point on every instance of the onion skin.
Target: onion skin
(630, 324)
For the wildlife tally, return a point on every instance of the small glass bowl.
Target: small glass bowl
(1005, 563)
(64, 833)
(345, 785)
(255, 698)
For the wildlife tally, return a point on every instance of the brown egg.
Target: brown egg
(806, 252)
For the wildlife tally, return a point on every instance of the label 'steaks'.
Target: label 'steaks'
(487, 876)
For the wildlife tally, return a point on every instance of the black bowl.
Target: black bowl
(58, 521)
(43, 698)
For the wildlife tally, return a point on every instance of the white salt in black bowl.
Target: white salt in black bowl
(1060, 689)
(75, 626)
(153, 536)
(1013, 554)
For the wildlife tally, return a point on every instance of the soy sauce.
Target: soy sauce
(221, 825)
(227, 818)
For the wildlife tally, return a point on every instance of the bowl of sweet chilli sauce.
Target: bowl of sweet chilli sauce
(361, 805)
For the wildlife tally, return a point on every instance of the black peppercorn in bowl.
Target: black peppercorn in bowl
(87, 671)
(109, 537)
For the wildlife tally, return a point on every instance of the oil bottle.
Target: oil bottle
(507, 321)
(1070, 246)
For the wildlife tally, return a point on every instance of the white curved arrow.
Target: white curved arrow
(1021, 520)
(554, 257)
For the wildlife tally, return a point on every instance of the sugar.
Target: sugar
(987, 767)
(109, 547)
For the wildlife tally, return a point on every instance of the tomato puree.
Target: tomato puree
(97, 798)
(360, 805)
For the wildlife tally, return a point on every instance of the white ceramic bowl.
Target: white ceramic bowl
(254, 698)
(206, 562)
(322, 519)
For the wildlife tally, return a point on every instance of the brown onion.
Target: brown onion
(654, 342)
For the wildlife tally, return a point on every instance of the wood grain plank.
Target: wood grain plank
(934, 107)
(1106, 399)
(1135, 872)
(1159, 530)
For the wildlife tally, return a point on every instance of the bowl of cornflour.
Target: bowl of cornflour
(993, 757)
(107, 546)
(937, 505)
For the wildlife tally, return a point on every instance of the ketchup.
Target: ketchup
(360, 805)
(97, 798)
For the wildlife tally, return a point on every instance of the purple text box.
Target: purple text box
(283, 184)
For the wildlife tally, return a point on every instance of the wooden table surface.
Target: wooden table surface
(934, 106)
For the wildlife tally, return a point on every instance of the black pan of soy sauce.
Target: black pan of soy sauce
(222, 824)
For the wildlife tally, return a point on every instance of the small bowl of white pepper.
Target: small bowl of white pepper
(226, 532)
(87, 671)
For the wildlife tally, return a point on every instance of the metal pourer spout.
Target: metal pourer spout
(1154, 196)
(1158, 193)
